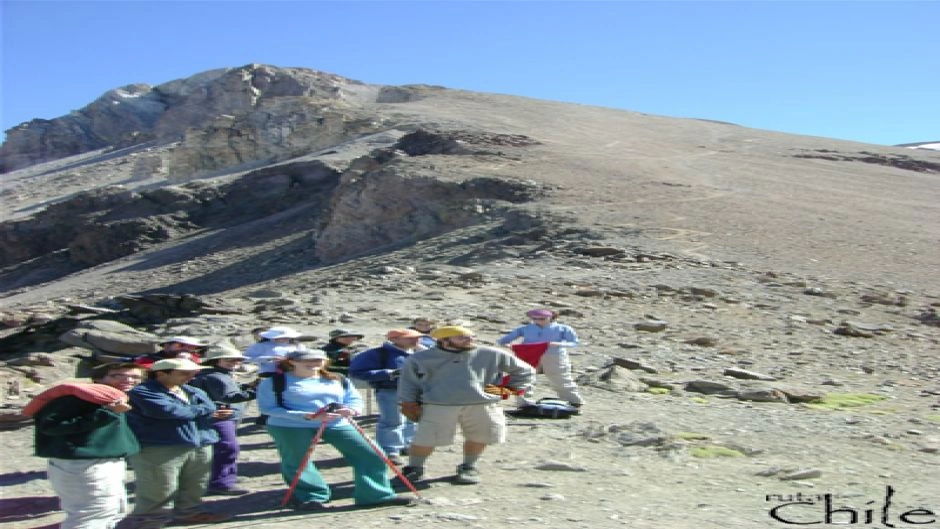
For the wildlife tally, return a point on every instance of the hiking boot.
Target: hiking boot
(311, 505)
(202, 517)
(467, 475)
(413, 474)
(234, 491)
(396, 460)
(397, 501)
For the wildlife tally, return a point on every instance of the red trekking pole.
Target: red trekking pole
(381, 453)
(303, 464)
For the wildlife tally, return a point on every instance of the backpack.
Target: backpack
(546, 408)
(279, 382)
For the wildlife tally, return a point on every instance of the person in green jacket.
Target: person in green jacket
(86, 444)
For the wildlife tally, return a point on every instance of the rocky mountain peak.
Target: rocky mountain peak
(138, 113)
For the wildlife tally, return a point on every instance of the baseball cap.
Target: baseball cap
(181, 364)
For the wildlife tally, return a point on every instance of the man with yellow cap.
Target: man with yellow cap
(457, 382)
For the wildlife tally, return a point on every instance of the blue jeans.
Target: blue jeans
(393, 432)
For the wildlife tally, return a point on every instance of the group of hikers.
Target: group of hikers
(174, 416)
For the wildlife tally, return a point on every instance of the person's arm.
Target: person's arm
(521, 374)
(365, 366)
(569, 338)
(352, 399)
(60, 418)
(510, 336)
(409, 389)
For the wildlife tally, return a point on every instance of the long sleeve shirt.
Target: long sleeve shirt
(221, 387)
(71, 428)
(457, 378)
(562, 334)
(379, 366)
(264, 354)
(159, 417)
(303, 396)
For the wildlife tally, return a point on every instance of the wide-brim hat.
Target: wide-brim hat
(280, 332)
(179, 364)
(222, 350)
(185, 340)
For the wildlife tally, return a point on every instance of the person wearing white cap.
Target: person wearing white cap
(173, 424)
(222, 388)
(175, 347)
(276, 343)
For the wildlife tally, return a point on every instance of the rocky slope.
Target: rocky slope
(758, 310)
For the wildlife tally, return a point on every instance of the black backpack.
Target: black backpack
(279, 382)
(546, 408)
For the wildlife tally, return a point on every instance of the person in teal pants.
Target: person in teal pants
(295, 415)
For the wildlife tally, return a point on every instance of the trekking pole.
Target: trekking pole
(381, 453)
(303, 464)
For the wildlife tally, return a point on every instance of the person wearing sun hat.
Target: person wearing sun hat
(457, 382)
(554, 363)
(219, 383)
(340, 349)
(276, 342)
(173, 424)
(380, 367)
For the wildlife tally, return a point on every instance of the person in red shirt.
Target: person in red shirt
(176, 347)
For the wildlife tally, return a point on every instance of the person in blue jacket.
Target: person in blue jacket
(221, 386)
(295, 413)
(380, 367)
(173, 424)
(554, 363)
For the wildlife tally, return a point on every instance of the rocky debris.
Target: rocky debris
(600, 251)
(892, 160)
(613, 378)
(929, 316)
(110, 340)
(709, 387)
(860, 330)
(703, 341)
(805, 473)
(747, 375)
(633, 364)
(156, 308)
(651, 326)
(764, 394)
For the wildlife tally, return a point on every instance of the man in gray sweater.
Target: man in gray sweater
(458, 382)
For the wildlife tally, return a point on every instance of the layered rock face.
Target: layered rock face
(376, 202)
(252, 105)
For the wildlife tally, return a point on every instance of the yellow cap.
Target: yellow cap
(450, 331)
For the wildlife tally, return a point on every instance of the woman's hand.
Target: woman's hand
(223, 413)
(118, 406)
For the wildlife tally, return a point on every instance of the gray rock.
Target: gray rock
(806, 473)
(651, 326)
(747, 375)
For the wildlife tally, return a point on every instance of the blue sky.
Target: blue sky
(865, 71)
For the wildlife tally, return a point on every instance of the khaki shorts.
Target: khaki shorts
(479, 423)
